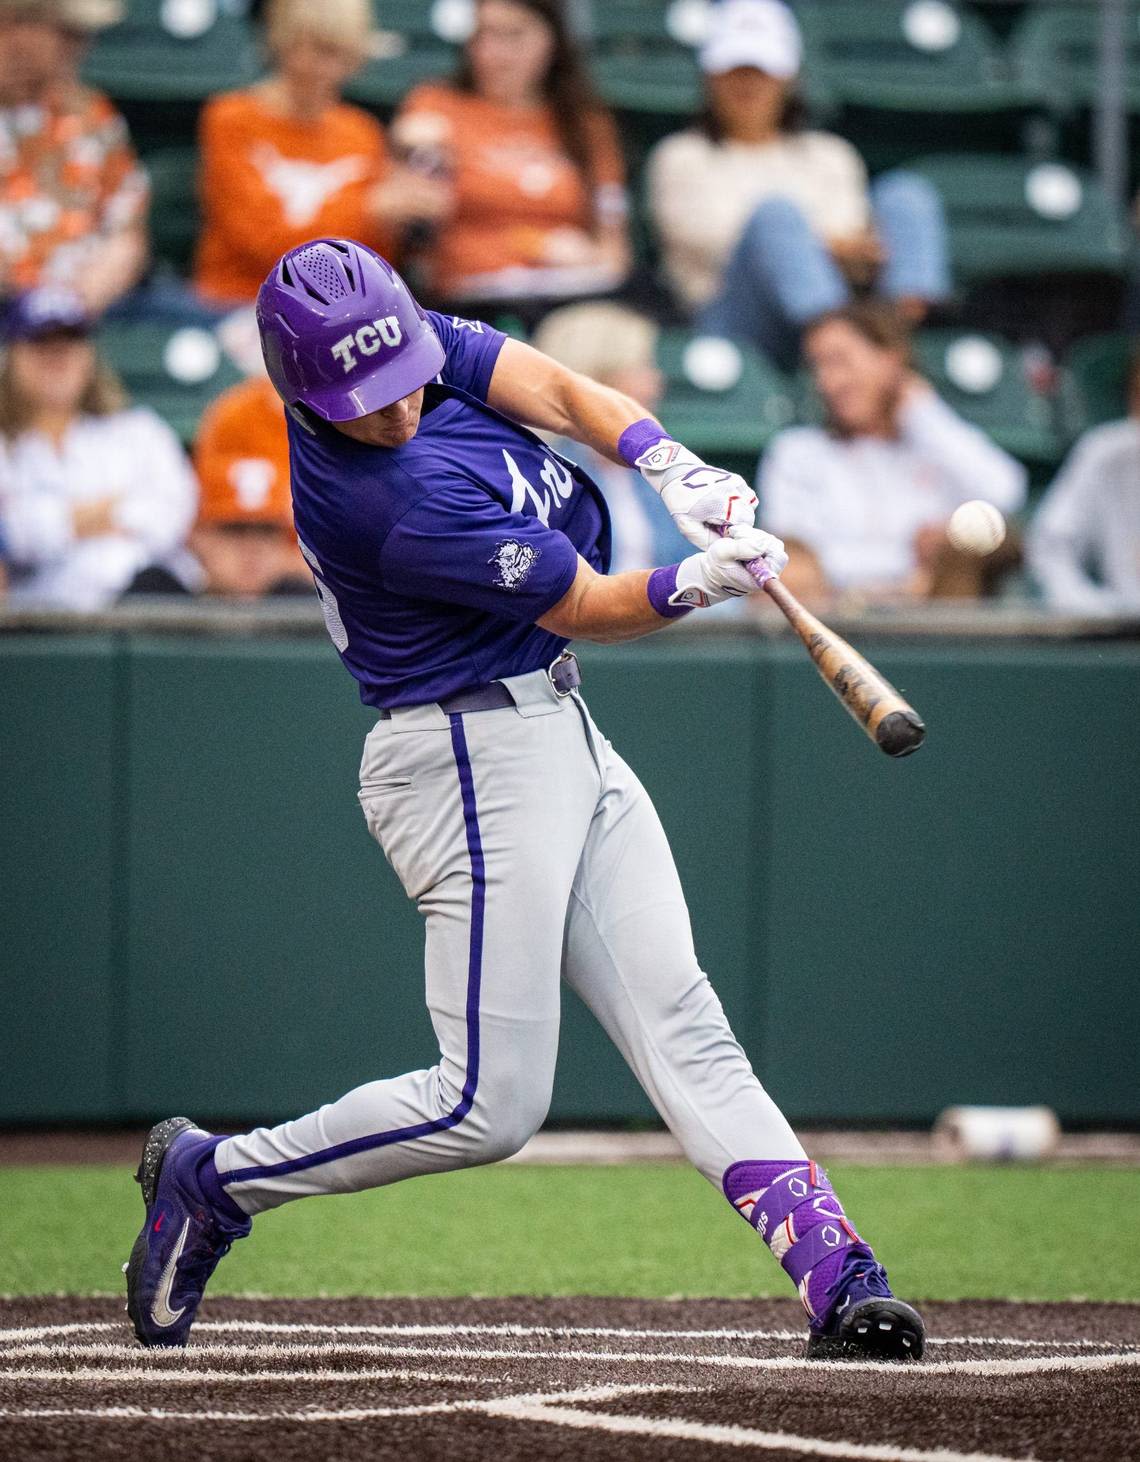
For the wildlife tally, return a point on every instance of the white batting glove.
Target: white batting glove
(721, 571)
(703, 501)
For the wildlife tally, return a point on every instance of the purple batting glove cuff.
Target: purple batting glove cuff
(661, 587)
(638, 438)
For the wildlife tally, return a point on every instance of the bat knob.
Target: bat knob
(900, 733)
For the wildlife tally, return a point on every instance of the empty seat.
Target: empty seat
(984, 379)
(1095, 381)
(419, 41)
(644, 54)
(1056, 51)
(174, 51)
(177, 370)
(1011, 216)
(722, 399)
(174, 214)
(907, 55)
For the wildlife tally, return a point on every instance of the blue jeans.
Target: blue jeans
(780, 275)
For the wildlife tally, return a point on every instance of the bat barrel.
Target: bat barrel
(893, 725)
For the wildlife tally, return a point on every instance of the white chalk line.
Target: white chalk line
(732, 1436)
(549, 1408)
(158, 1369)
(277, 1327)
(111, 1374)
(352, 1413)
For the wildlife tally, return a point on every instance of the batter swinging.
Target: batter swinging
(455, 556)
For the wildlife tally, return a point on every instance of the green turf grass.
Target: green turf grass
(651, 1230)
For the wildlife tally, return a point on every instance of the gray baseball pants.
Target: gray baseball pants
(534, 854)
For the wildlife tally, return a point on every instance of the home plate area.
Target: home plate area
(569, 1378)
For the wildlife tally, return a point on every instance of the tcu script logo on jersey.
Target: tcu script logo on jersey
(368, 340)
(556, 478)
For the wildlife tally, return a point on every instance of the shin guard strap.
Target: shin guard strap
(816, 1244)
(786, 1194)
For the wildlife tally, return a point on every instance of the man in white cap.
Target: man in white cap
(765, 225)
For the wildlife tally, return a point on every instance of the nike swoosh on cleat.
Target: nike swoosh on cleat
(160, 1311)
(840, 1308)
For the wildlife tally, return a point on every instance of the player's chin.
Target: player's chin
(397, 436)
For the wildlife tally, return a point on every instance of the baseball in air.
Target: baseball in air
(976, 527)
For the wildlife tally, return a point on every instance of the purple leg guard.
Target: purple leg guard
(794, 1209)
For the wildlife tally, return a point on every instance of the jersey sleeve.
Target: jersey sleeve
(462, 547)
(472, 349)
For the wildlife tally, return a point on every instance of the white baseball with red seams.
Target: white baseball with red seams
(976, 527)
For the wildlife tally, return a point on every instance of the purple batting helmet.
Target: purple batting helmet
(341, 332)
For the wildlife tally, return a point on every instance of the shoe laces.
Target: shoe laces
(861, 1266)
(209, 1246)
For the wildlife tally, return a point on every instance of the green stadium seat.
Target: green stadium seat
(1056, 53)
(920, 56)
(983, 378)
(722, 398)
(419, 42)
(174, 216)
(175, 369)
(643, 55)
(1095, 381)
(174, 51)
(1009, 216)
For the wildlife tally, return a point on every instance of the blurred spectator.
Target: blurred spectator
(765, 225)
(90, 490)
(863, 500)
(1084, 544)
(72, 195)
(243, 545)
(287, 159)
(534, 203)
(616, 346)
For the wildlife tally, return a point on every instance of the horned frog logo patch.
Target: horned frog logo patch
(513, 561)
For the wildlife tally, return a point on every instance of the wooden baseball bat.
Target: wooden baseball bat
(883, 714)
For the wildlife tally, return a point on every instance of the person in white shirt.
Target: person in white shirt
(1083, 546)
(91, 491)
(763, 225)
(863, 500)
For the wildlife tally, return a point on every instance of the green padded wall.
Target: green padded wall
(196, 919)
(962, 926)
(61, 822)
(274, 961)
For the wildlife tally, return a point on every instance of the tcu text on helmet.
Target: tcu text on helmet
(368, 340)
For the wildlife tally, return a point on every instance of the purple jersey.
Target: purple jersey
(433, 560)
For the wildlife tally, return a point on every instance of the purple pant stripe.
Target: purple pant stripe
(474, 977)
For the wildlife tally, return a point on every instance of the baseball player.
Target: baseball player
(455, 556)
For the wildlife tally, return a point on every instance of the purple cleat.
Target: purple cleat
(862, 1319)
(190, 1224)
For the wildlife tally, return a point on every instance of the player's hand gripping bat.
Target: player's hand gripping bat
(871, 700)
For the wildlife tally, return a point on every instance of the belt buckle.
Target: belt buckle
(569, 659)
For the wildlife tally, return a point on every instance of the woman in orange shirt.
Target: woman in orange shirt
(287, 160)
(536, 206)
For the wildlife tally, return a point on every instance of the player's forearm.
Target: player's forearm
(605, 608)
(626, 606)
